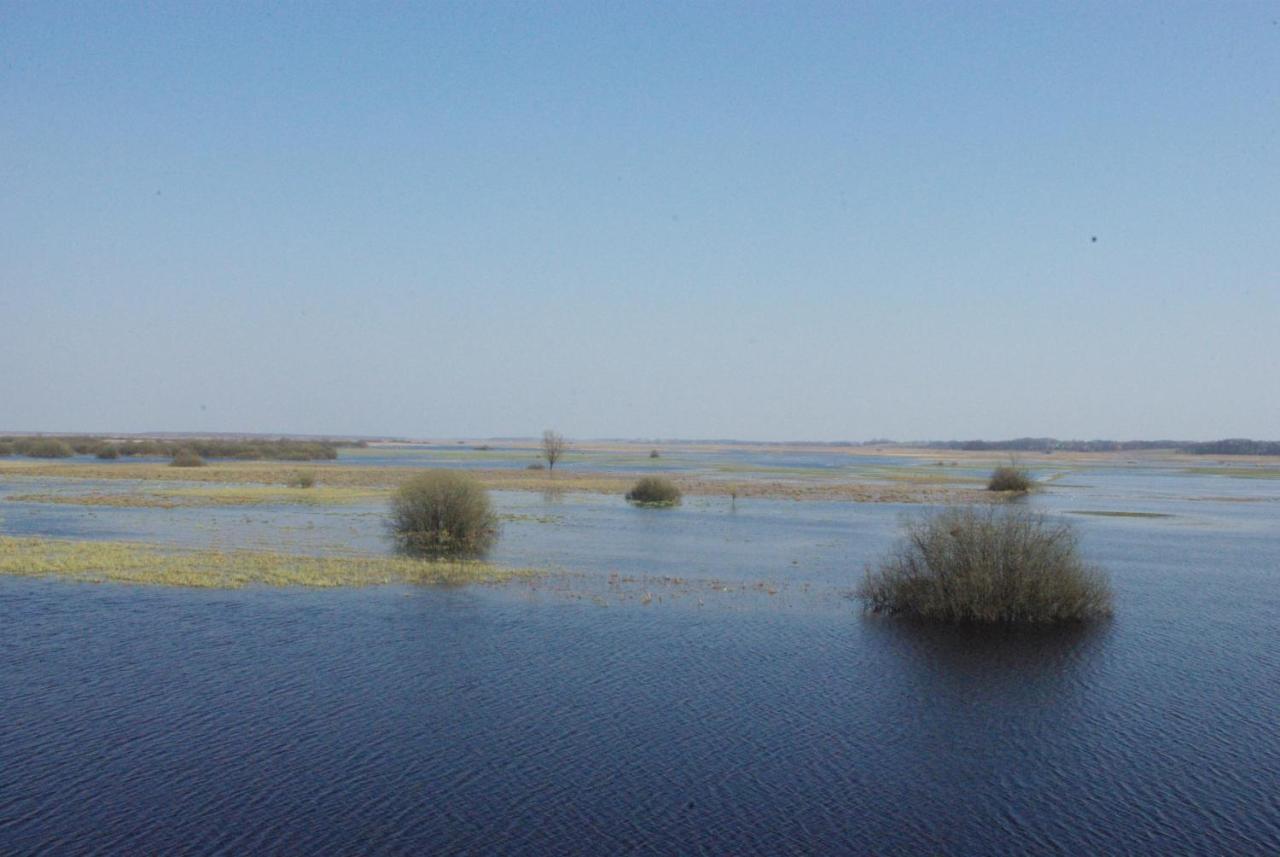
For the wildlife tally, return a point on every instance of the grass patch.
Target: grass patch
(127, 562)
(654, 491)
(1237, 472)
(505, 479)
(985, 566)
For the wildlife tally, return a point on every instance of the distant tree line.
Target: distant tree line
(46, 446)
(1233, 446)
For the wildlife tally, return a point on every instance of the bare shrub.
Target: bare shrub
(301, 479)
(654, 491)
(1010, 478)
(443, 511)
(186, 458)
(1009, 566)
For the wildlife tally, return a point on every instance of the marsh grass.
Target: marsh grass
(443, 512)
(127, 562)
(654, 491)
(987, 566)
(1010, 478)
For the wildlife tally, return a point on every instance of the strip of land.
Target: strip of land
(917, 489)
(131, 562)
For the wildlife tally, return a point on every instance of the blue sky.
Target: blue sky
(773, 221)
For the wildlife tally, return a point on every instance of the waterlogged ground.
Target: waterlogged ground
(693, 680)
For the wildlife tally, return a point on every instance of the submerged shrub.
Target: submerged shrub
(107, 452)
(6, 448)
(653, 453)
(186, 458)
(537, 465)
(1007, 566)
(301, 479)
(46, 447)
(443, 511)
(1009, 478)
(654, 491)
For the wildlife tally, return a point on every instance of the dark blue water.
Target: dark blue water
(521, 720)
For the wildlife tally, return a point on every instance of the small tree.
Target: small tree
(553, 447)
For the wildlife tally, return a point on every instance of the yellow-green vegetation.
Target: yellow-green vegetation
(207, 495)
(988, 566)
(654, 491)
(128, 562)
(515, 478)
(1237, 472)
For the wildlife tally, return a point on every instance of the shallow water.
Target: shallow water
(578, 716)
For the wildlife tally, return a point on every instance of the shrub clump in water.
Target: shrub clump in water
(988, 566)
(186, 458)
(654, 491)
(443, 511)
(107, 452)
(1009, 479)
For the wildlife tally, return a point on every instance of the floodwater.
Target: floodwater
(694, 680)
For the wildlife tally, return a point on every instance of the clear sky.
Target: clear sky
(773, 221)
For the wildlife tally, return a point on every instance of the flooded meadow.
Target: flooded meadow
(694, 680)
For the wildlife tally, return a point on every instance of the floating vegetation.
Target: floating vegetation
(127, 562)
(536, 519)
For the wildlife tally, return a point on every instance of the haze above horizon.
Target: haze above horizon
(762, 222)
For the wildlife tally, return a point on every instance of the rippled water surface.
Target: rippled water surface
(725, 697)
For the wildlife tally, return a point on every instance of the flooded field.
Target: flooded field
(688, 680)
